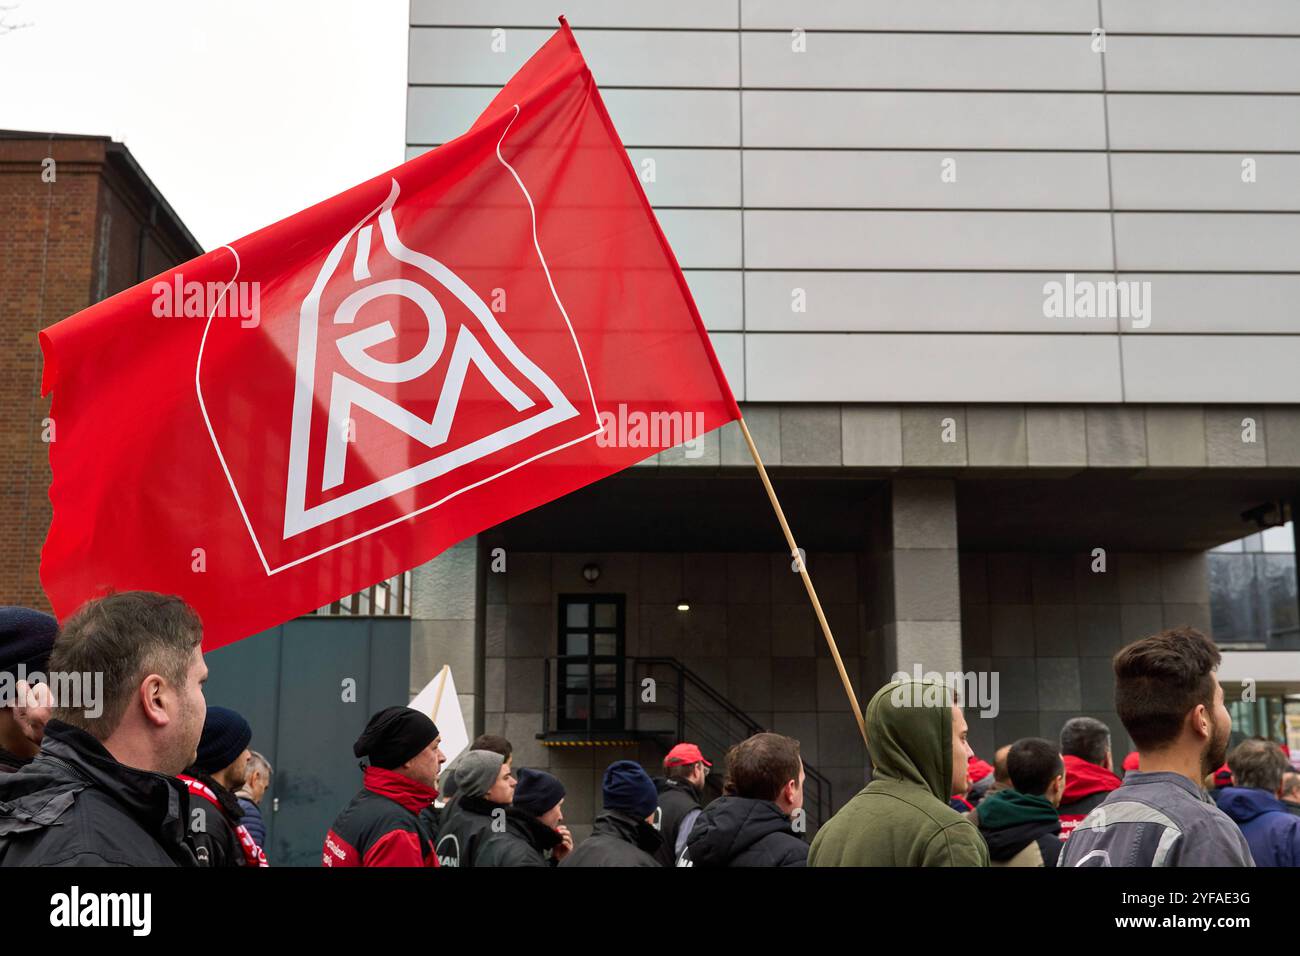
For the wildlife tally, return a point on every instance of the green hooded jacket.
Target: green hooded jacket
(902, 817)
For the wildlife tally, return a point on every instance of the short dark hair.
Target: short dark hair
(493, 742)
(1032, 762)
(1159, 679)
(1258, 765)
(758, 768)
(680, 771)
(125, 636)
(1086, 738)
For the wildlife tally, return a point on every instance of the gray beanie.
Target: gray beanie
(476, 772)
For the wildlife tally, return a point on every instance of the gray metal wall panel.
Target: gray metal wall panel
(1009, 15)
(837, 181)
(918, 120)
(1205, 181)
(921, 61)
(718, 296)
(1221, 303)
(697, 14)
(927, 240)
(680, 118)
(616, 57)
(690, 177)
(1212, 368)
(907, 179)
(1203, 64)
(1201, 16)
(1227, 122)
(909, 302)
(730, 349)
(932, 368)
(703, 238)
(1230, 242)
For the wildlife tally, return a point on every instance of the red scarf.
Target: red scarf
(253, 855)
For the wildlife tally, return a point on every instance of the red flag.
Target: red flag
(347, 393)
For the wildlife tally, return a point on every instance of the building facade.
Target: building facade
(81, 221)
(1006, 291)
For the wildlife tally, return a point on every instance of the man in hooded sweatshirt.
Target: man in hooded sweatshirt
(752, 823)
(1254, 803)
(1020, 824)
(1089, 777)
(624, 833)
(485, 788)
(916, 738)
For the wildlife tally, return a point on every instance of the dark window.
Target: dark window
(590, 665)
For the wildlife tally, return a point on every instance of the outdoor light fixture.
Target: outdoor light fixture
(591, 572)
(683, 606)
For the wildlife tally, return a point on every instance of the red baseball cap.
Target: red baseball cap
(684, 754)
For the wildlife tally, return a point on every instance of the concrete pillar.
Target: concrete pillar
(445, 606)
(924, 626)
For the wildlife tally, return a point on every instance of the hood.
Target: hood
(909, 735)
(1009, 821)
(71, 760)
(1083, 779)
(1244, 804)
(729, 826)
(1008, 808)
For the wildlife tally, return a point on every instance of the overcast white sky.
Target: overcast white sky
(241, 111)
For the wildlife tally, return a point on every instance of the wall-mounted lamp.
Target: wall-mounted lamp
(591, 572)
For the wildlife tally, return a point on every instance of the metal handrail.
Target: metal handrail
(685, 677)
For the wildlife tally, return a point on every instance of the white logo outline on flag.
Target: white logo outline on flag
(561, 408)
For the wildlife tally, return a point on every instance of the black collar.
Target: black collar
(158, 803)
(627, 828)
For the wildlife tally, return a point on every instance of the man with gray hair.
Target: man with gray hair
(1089, 770)
(256, 781)
(1254, 804)
(1291, 792)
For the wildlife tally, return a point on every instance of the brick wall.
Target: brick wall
(55, 240)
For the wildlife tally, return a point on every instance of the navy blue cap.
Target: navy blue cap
(627, 787)
(26, 637)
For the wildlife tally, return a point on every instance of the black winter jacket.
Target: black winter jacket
(738, 831)
(524, 842)
(382, 825)
(617, 839)
(74, 805)
(678, 802)
(212, 829)
(465, 821)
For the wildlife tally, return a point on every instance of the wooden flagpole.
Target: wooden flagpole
(807, 581)
(437, 694)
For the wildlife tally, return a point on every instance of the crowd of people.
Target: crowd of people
(160, 777)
